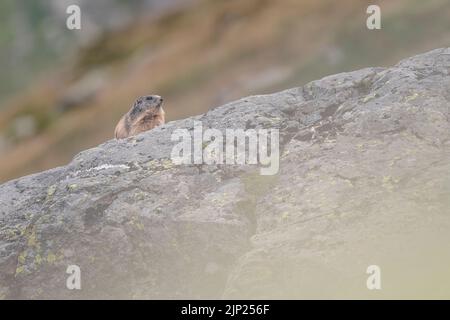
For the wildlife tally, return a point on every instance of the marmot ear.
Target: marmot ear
(138, 101)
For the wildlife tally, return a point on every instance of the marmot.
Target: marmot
(145, 114)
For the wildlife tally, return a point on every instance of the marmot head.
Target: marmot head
(146, 106)
(145, 114)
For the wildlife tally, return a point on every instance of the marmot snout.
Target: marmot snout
(145, 114)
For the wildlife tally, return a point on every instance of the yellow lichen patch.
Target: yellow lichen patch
(51, 191)
(37, 293)
(135, 222)
(152, 164)
(285, 153)
(22, 230)
(139, 196)
(411, 97)
(275, 120)
(72, 187)
(22, 257)
(11, 233)
(32, 239)
(19, 270)
(51, 258)
(159, 164)
(369, 97)
(139, 225)
(38, 259)
(167, 163)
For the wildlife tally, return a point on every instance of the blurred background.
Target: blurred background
(62, 91)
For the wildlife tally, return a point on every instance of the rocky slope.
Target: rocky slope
(364, 179)
(197, 54)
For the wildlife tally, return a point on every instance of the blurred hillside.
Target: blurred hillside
(33, 35)
(71, 87)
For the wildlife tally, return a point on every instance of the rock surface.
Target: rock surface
(364, 180)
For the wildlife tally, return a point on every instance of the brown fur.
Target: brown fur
(144, 115)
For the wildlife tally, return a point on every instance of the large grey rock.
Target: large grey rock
(364, 179)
